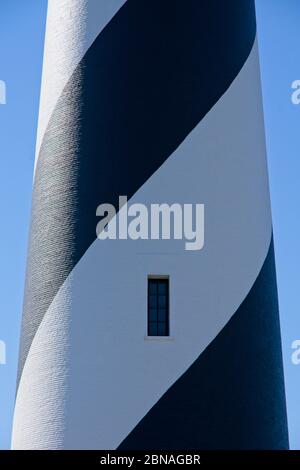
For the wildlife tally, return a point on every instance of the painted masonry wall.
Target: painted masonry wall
(88, 377)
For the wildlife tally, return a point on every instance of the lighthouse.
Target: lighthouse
(133, 342)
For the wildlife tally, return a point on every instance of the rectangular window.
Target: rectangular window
(158, 307)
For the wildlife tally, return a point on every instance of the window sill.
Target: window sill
(159, 338)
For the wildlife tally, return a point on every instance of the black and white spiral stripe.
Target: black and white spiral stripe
(158, 100)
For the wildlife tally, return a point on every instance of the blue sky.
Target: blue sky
(21, 48)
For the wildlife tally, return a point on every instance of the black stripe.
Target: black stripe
(148, 79)
(232, 397)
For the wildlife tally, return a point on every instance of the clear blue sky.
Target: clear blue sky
(22, 26)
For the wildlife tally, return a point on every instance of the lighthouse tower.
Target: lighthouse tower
(139, 343)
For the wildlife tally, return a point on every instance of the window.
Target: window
(158, 307)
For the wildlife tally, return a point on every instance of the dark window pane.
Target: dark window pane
(162, 287)
(152, 301)
(162, 301)
(152, 314)
(152, 329)
(152, 287)
(162, 330)
(158, 307)
(162, 315)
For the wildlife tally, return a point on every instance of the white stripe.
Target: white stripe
(90, 376)
(72, 27)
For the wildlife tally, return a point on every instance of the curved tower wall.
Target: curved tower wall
(160, 101)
